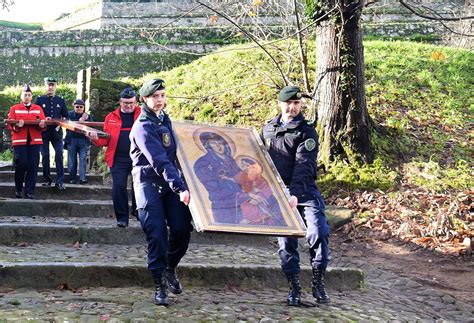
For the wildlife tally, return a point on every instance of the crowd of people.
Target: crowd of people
(141, 143)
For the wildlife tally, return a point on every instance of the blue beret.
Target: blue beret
(26, 88)
(151, 86)
(79, 102)
(50, 79)
(290, 92)
(128, 93)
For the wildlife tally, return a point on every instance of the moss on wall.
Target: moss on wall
(20, 69)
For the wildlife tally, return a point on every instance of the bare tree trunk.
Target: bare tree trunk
(343, 123)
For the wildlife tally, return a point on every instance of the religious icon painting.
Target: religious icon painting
(233, 183)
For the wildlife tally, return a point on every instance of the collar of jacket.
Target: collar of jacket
(147, 113)
(276, 122)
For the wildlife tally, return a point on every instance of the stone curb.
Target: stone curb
(8, 176)
(12, 234)
(75, 275)
(56, 208)
(72, 192)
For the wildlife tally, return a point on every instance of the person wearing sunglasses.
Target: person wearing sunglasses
(77, 144)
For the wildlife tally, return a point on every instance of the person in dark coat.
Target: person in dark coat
(161, 193)
(293, 146)
(54, 107)
(77, 144)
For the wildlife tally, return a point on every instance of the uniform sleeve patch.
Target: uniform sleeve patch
(310, 144)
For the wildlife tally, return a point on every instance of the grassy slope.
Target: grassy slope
(21, 25)
(421, 107)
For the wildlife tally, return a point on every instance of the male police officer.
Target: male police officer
(118, 124)
(293, 146)
(54, 107)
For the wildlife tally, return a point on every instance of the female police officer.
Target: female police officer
(161, 193)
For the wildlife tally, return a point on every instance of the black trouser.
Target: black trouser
(26, 167)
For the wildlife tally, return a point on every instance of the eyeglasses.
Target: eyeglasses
(79, 106)
(128, 103)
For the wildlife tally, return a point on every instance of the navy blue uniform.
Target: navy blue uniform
(77, 144)
(293, 148)
(53, 107)
(157, 183)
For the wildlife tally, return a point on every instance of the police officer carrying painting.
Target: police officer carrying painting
(26, 142)
(118, 125)
(293, 146)
(161, 193)
(54, 107)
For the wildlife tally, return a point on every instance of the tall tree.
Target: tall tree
(343, 120)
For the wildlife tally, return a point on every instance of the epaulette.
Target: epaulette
(143, 117)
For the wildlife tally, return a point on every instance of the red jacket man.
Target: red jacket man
(113, 126)
(118, 124)
(26, 142)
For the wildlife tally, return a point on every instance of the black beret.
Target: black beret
(50, 79)
(151, 86)
(79, 102)
(26, 88)
(290, 92)
(128, 93)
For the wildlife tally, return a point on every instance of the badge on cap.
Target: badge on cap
(166, 139)
(310, 144)
(299, 95)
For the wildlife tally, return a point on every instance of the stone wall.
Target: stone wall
(116, 62)
(110, 14)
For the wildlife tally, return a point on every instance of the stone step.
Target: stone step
(337, 216)
(39, 229)
(72, 192)
(56, 208)
(8, 176)
(89, 265)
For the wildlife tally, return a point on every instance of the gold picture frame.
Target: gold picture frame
(233, 182)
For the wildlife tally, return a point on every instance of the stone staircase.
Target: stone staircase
(69, 238)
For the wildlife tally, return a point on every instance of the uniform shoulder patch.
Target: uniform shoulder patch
(310, 144)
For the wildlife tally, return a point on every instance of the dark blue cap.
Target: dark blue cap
(128, 93)
(79, 102)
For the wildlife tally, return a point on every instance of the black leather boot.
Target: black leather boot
(294, 295)
(319, 292)
(173, 281)
(161, 295)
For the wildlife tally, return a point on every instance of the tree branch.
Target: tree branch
(223, 15)
(303, 57)
(403, 3)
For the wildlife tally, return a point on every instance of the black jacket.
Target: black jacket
(294, 150)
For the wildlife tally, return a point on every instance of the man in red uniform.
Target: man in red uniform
(26, 142)
(118, 124)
